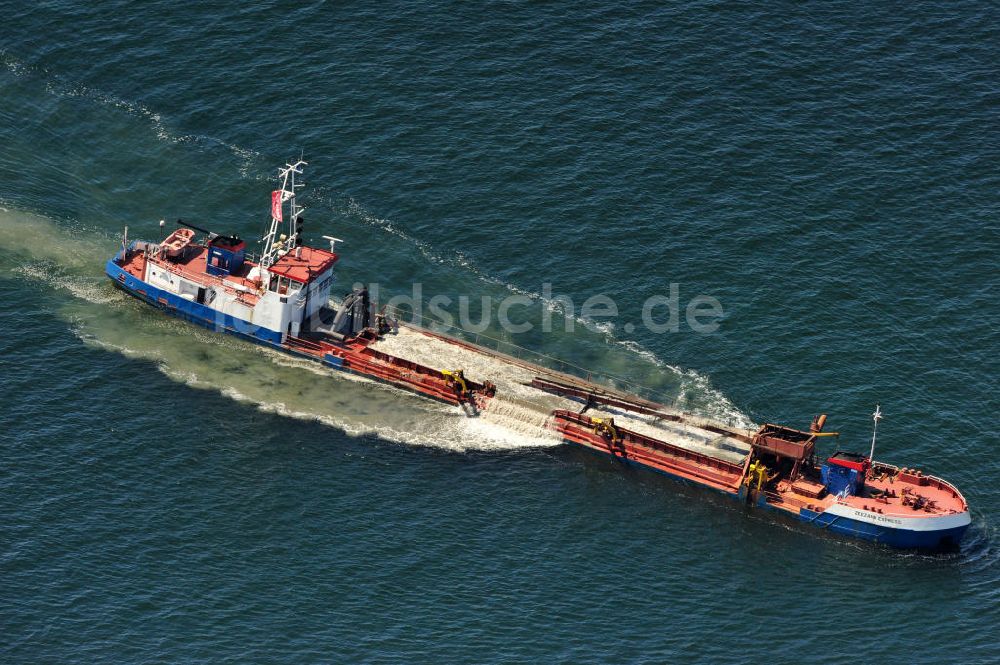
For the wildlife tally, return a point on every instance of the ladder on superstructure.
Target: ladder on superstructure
(278, 244)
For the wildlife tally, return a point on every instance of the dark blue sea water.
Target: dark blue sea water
(827, 171)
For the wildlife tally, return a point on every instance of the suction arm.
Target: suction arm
(181, 222)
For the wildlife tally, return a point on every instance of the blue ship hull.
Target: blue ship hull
(894, 537)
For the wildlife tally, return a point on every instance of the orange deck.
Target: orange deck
(304, 268)
(898, 493)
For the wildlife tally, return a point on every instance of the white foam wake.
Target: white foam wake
(59, 87)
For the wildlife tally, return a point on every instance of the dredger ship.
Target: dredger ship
(282, 300)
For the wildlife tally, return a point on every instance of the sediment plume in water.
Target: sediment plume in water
(68, 260)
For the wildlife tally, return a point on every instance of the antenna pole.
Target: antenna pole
(877, 416)
(291, 211)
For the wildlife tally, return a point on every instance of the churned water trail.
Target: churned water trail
(48, 256)
(58, 87)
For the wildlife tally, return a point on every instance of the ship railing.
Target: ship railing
(951, 488)
(122, 253)
(508, 348)
(935, 479)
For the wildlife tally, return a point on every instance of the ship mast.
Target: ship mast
(877, 416)
(278, 244)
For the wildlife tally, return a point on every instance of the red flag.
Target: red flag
(276, 204)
